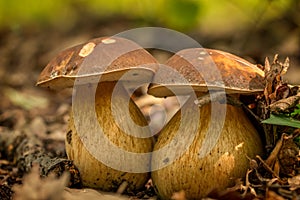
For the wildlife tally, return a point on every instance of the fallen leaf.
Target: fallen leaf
(90, 194)
(35, 188)
(294, 182)
(283, 105)
(273, 196)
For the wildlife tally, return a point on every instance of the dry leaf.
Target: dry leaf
(90, 194)
(283, 105)
(294, 182)
(36, 188)
(288, 156)
(273, 196)
(273, 73)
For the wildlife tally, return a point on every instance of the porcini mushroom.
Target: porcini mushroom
(190, 168)
(98, 71)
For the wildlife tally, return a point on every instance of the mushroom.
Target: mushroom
(193, 153)
(100, 72)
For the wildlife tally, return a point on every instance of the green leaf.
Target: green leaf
(282, 120)
(296, 111)
(24, 100)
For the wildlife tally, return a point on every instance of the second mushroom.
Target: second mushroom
(198, 151)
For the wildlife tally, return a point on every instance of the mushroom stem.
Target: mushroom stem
(227, 161)
(109, 104)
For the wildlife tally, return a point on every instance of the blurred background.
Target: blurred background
(32, 32)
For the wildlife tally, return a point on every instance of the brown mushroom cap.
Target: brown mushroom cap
(108, 57)
(202, 69)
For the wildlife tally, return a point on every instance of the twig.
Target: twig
(266, 166)
(122, 187)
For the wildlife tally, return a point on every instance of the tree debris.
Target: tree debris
(35, 188)
(26, 150)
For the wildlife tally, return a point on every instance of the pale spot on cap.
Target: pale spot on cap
(108, 41)
(202, 52)
(87, 49)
